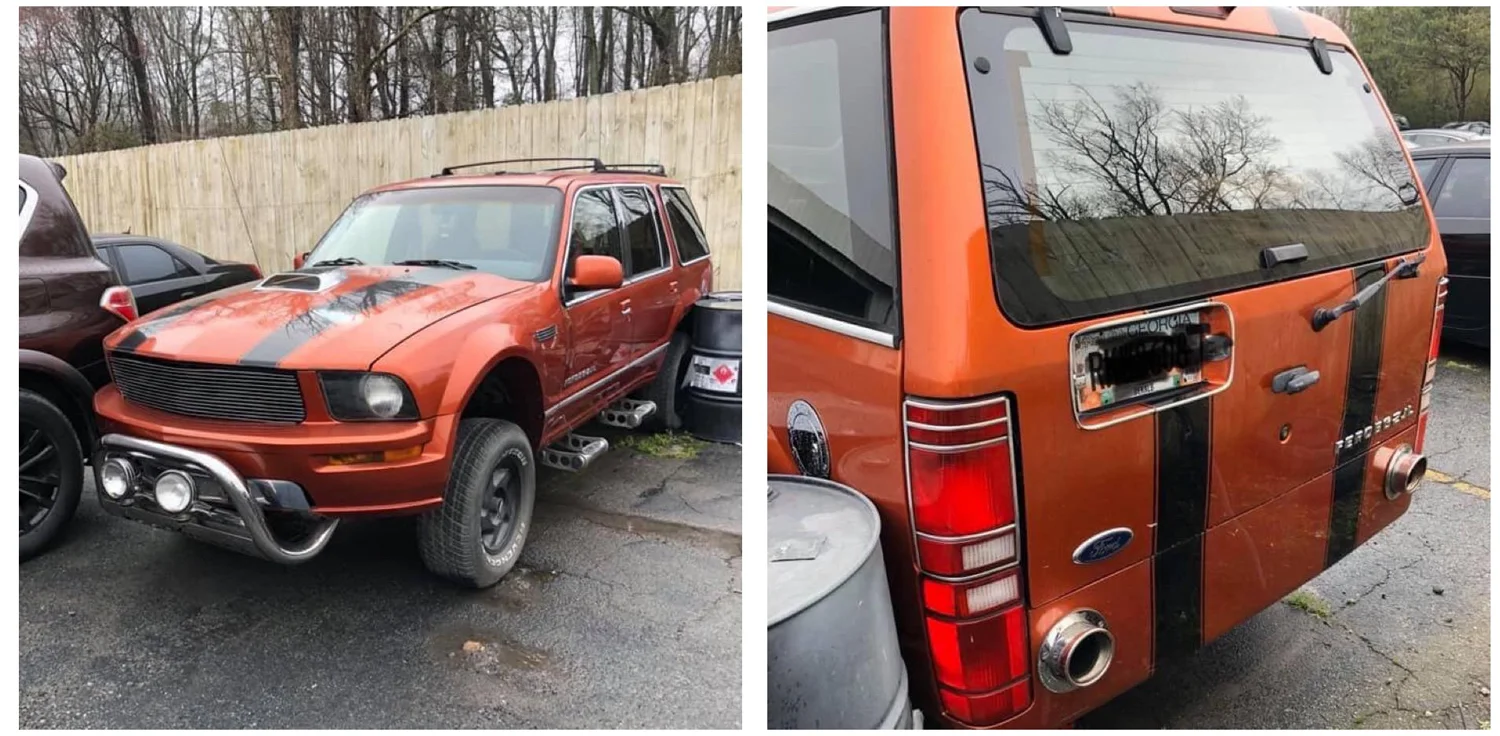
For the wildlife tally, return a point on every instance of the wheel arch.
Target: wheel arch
(65, 386)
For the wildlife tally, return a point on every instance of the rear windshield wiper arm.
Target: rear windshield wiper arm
(1403, 269)
(345, 261)
(459, 265)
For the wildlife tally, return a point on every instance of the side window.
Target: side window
(1426, 167)
(1466, 190)
(108, 254)
(686, 230)
(641, 231)
(832, 243)
(147, 263)
(596, 229)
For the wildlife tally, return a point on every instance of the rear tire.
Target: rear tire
(51, 473)
(473, 539)
(667, 390)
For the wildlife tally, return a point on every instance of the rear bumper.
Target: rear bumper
(300, 453)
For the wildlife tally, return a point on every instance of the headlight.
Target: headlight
(363, 396)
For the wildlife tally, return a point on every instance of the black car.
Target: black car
(161, 273)
(1457, 178)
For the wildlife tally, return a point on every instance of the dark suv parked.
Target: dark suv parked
(70, 299)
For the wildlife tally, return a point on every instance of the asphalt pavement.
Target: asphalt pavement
(1396, 635)
(624, 612)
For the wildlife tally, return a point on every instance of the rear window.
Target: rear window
(1150, 167)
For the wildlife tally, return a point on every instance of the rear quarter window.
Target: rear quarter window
(1152, 166)
(832, 239)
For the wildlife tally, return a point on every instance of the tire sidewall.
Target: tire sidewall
(47, 417)
(501, 564)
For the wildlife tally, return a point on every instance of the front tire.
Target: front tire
(476, 536)
(51, 470)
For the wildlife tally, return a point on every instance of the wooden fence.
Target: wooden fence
(264, 198)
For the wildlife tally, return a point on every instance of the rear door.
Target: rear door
(1461, 203)
(649, 294)
(1149, 189)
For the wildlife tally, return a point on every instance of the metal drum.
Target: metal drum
(832, 654)
(714, 398)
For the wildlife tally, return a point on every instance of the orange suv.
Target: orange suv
(1124, 318)
(444, 336)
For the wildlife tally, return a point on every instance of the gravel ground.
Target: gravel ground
(624, 613)
(1405, 642)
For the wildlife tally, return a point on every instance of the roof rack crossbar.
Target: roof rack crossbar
(656, 169)
(590, 163)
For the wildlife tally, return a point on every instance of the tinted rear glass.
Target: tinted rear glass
(1149, 167)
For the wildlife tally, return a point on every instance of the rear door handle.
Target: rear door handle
(672, 286)
(1294, 380)
(625, 307)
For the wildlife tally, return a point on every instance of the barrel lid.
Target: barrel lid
(819, 534)
(722, 300)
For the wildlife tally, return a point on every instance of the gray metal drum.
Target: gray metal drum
(832, 653)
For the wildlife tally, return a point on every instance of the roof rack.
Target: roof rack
(586, 164)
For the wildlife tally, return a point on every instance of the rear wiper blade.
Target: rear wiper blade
(344, 261)
(1404, 269)
(460, 265)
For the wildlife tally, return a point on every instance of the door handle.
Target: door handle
(1294, 380)
(625, 307)
(672, 286)
(188, 293)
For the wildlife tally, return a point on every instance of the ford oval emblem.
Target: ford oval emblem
(1102, 546)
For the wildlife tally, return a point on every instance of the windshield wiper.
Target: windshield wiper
(459, 265)
(344, 261)
(1403, 269)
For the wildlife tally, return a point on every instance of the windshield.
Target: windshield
(505, 230)
(1148, 167)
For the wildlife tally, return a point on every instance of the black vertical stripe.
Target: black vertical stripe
(1359, 412)
(1182, 441)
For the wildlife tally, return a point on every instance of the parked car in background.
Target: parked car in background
(1436, 136)
(1457, 178)
(70, 299)
(161, 273)
(1478, 126)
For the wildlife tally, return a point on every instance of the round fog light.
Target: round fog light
(116, 477)
(174, 491)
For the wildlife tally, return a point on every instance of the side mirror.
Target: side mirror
(596, 272)
(300, 259)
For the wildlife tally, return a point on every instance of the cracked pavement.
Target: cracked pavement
(624, 612)
(1407, 641)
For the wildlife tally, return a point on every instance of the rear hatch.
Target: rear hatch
(1168, 209)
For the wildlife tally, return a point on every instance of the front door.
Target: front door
(594, 320)
(156, 278)
(1461, 203)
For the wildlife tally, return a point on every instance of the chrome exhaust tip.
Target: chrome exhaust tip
(1076, 652)
(1404, 469)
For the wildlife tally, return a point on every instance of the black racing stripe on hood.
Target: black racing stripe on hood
(148, 328)
(1365, 350)
(1182, 475)
(344, 308)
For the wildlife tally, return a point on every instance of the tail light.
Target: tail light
(962, 481)
(118, 300)
(255, 270)
(1432, 357)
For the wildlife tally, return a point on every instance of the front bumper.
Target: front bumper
(299, 454)
(226, 510)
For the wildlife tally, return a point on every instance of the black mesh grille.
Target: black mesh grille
(209, 391)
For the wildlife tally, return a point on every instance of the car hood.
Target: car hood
(335, 318)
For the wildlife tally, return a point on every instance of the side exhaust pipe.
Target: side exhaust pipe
(1077, 652)
(1404, 469)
